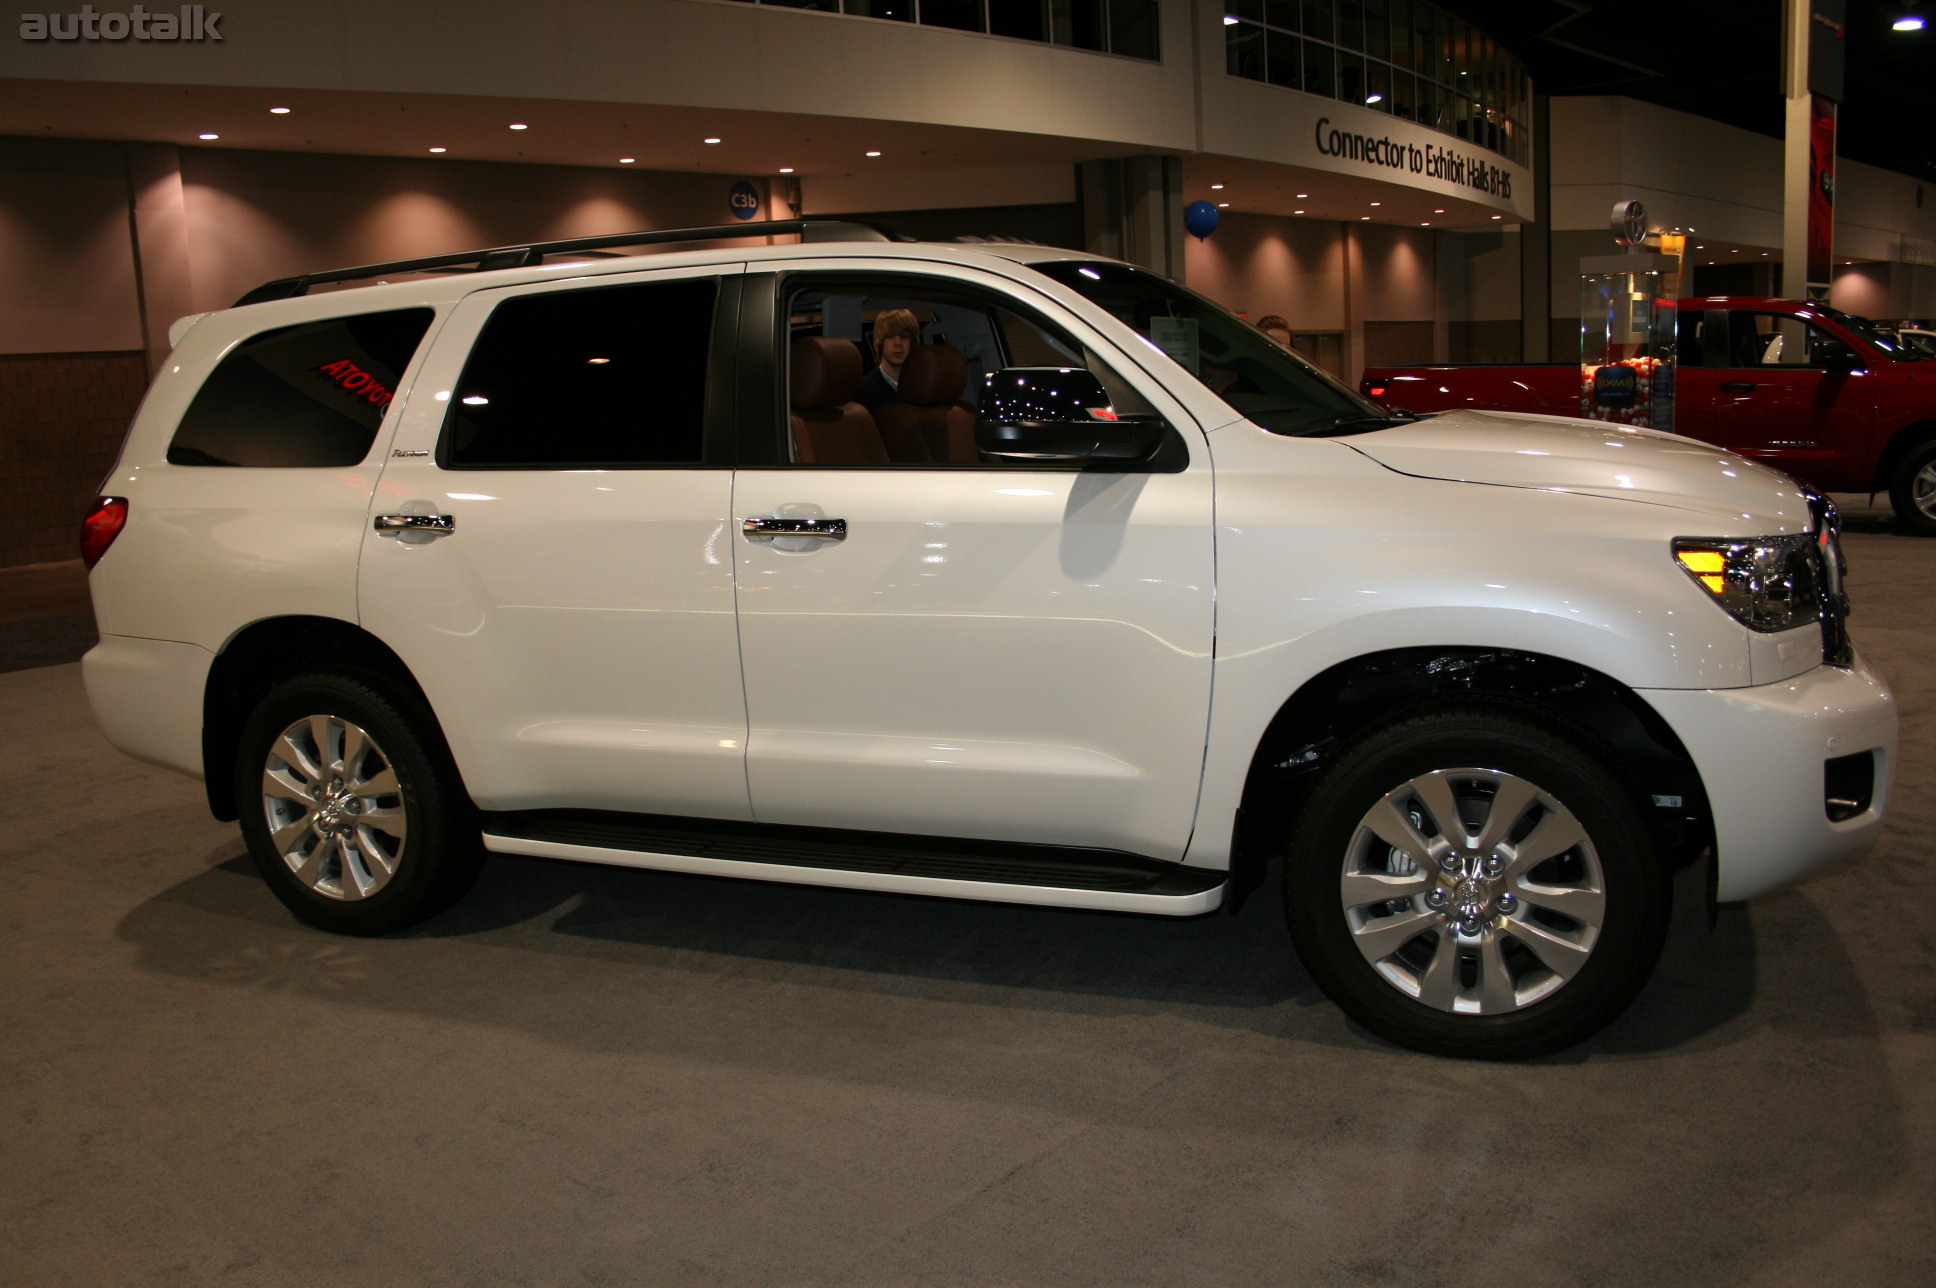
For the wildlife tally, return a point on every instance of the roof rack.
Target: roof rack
(479, 261)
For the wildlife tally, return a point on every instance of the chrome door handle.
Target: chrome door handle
(757, 528)
(1737, 386)
(435, 525)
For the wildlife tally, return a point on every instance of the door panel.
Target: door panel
(1773, 406)
(1017, 655)
(575, 629)
(990, 650)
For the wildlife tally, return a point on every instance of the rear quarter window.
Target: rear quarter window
(306, 395)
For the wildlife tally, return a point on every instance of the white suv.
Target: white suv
(1108, 603)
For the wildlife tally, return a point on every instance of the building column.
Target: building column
(1132, 209)
(158, 225)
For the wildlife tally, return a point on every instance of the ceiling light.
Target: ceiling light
(709, 140)
(440, 149)
(1438, 212)
(1375, 98)
(520, 126)
(873, 154)
(278, 111)
(786, 169)
(1297, 212)
(1364, 216)
(1230, 20)
(1377, 203)
(208, 136)
(1498, 216)
(1215, 186)
(627, 160)
(1426, 224)
(1223, 205)
(1908, 22)
(1302, 195)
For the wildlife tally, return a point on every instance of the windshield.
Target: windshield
(1268, 385)
(1900, 349)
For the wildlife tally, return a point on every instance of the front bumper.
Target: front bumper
(1763, 755)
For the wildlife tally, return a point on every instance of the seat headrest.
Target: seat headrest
(933, 375)
(823, 371)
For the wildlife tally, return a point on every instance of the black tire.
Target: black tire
(1912, 488)
(351, 805)
(1473, 977)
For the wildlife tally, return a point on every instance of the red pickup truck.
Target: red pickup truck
(1819, 394)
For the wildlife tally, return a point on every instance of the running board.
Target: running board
(1000, 872)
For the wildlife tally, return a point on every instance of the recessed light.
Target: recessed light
(1426, 224)
(440, 149)
(1297, 212)
(873, 154)
(1374, 98)
(1498, 216)
(1223, 205)
(1377, 203)
(1438, 212)
(786, 169)
(709, 140)
(1302, 196)
(1216, 187)
(520, 126)
(1364, 216)
(1230, 20)
(278, 111)
(627, 160)
(208, 136)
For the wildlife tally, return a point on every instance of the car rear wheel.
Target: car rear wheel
(351, 807)
(1475, 881)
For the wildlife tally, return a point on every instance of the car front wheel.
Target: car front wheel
(1473, 880)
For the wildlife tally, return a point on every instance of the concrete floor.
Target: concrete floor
(587, 1076)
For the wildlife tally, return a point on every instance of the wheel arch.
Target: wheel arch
(254, 661)
(1900, 444)
(1311, 725)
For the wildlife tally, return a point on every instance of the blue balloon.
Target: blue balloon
(1200, 218)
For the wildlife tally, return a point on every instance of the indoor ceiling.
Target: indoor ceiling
(1722, 59)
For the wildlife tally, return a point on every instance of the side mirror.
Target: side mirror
(1058, 414)
(1833, 355)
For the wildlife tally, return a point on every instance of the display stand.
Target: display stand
(1627, 337)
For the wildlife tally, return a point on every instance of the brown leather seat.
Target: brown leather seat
(928, 421)
(829, 427)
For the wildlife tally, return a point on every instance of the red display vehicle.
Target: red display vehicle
(1819, 394)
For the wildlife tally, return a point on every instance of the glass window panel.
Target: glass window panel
(1283, 14)
(1081, 23)
(898, 10)
(1320, 72)
(1244, 50)
(825, 6)
(310, 395)
(1133, 28)
(1282, 65)
(1022, 19)
(1401, 35)
(1317, 19)
(1248, 10)
(1378, 90)
(1377, 29)
(1351, 24)
(962, 15)
(607, 376)
(1404, 95)
(1351, 77)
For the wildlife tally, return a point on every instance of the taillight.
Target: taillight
(1376, 391)
(101, 526)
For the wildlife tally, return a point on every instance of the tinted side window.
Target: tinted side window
(603, 376)
(311, 394)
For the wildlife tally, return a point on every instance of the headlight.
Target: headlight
(1766, 583)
